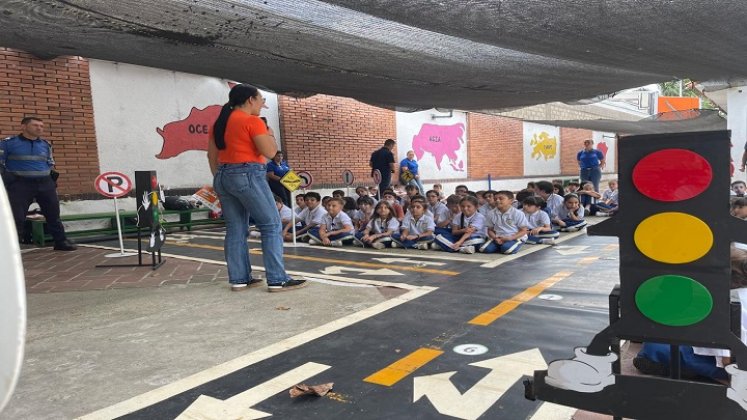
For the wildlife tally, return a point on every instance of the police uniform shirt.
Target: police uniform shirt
(440, 212)
(564, 213)
(508, 223)
(313, 217)
(537, 219)
(554, 204)
(286, 213)
(379, 225)
(418, 227)
(25, 157)
(476, 221)
(336, 223)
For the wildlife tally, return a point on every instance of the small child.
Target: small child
(452, 207)
(738, 187)
(338, 193)
(336, 227)
(540, 228)
(300, 203)
(365, 213)
(573, 187)
(310, 217)
(609, 203)
(411, 191)
(507, 226)
(554, 202)
(467, 229)
(487, 202)
(350, 208)
(417, 228)
(325, 200)
(438, 209)
(588, 196)
(363, 192)
(439, 189)
(571, 215)
(391, 197)
(379, 231)
(739, 208)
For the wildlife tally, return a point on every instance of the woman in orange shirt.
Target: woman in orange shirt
(240, 144)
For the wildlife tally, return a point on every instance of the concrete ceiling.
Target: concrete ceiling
(466, 54)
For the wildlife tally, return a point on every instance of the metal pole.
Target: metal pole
(293, 218)
(119, 226)
(490, 186)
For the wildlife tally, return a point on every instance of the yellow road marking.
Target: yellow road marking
(400, 369)
(587, 260)
(331, 260)
(487, 318)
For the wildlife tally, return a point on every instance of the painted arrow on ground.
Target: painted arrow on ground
(407, 261)
(571, 250)
(339, 269)
(505, 371)
(239, 406)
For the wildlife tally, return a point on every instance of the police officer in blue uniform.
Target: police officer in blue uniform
(26, 165)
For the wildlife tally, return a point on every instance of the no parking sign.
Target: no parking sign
(113, 184)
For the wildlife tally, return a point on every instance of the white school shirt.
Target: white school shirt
(420, 226)
(286, 213)
(564, 213)
(313, 218)
(538, 219)
(378, 225)
(476, 221)
(440, 212)
(336, 223)
(608, 194)
(508, 223)
(554, 204)
(484, 209)
(299, 210)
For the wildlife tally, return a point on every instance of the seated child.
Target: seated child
(439, 189)
(378, 233)
(365, 213)
(417, 228)
(411, 191)
(608, 203)
(738, 188)
(310, 217)
(443, 226)
(300, 203)
(336, 227)
(391, 197)
(467, 229)
(350, 208)
(588, 196)
(554, 202)
(338, 193)
(739, 208)
(507, 226)
(540, 228)
(571, 215)
(487, 202)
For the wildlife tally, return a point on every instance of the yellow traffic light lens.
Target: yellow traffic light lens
(673, 238)
(677, 301)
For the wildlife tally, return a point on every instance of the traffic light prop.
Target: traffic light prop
(675, 232)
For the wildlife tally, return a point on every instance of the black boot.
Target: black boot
(65, 246)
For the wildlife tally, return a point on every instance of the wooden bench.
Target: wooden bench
(128, 219)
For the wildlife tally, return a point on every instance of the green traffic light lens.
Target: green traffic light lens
(673, 300)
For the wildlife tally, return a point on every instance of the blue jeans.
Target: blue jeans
(346, 238)
(535, 239)
(244, 192)
(509, 247)
(591, 174)
(446, 240)
(409, 243)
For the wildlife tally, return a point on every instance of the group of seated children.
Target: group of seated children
(490, 224)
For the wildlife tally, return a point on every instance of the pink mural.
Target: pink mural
(190, 133)
(440, 141)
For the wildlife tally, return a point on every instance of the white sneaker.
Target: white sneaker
(335, 243)
(378, 245)
(467, 249)
(396, 245)
(435, 247)
(255, 234)
(547, 241)
(421, 245)
(314, 242)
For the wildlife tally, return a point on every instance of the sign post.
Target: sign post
(114, 185)
(348, 178)
(291, 181)
(376, 175)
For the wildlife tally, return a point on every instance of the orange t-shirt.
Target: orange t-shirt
(240, 132)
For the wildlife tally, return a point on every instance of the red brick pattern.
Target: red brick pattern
(572, 141)
(494, 146)
(328, 134)
(55, 271)
(59, 92)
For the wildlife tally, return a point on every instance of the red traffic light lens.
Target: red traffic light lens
(672, 175)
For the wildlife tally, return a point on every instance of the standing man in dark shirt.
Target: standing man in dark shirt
(383, 160)
(26, 165)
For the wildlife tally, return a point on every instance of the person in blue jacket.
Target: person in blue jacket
(409, 173)
(26, 166)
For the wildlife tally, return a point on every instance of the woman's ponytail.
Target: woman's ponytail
(219, 128)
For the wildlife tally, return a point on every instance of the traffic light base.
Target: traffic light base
(584, 373)
(738, 390)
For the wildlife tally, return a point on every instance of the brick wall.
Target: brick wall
(59, 92)
(572, 142)
(328, 134)
(494, 146)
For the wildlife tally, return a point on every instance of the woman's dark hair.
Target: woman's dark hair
(384, 203)
(238, 96)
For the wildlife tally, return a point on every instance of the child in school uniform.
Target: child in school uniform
(608, 204)
(438, 209)
(310, 217)
(378, 233)
(391, 197)
(365, 213)
(300, 203)
(335, 229)
(538, 222)
(417, 228)
(571, 215)
(507, 226)
(467, 229)
(444, 227)
(554, 202)
(487, 202)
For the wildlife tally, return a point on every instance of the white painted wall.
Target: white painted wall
(434, 134)
(131, 102)
(610, 140)
(541, 149)
(736, 121)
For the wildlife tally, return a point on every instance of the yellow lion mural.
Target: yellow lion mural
(544, 145)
